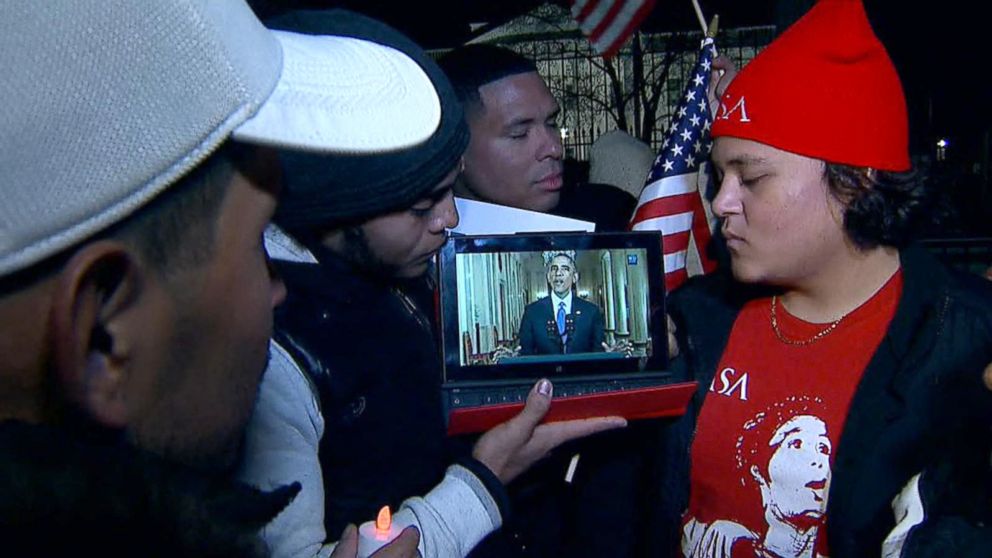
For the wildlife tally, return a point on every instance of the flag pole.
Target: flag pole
(711, 32)
(714, 27)
(699, 15)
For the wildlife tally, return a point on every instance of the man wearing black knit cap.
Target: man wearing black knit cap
(357, 236)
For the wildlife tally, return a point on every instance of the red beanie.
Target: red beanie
(825, 89)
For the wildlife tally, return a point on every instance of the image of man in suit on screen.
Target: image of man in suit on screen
(561, 322)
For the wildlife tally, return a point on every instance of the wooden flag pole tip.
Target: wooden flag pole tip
(713, 27)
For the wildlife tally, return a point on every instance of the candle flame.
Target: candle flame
(385, 519)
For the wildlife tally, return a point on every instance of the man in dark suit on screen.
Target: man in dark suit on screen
(561, 322)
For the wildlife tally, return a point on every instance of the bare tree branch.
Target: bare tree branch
(625, 91)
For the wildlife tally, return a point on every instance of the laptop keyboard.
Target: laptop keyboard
(473, 397)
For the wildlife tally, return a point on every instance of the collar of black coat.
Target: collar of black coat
(924, 286)
(929, 289)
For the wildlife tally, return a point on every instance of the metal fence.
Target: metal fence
(588, 89)
(967, 254)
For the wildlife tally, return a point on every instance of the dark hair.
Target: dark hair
(562, 254)
(882, 208)
(176, 229)
(472, 66)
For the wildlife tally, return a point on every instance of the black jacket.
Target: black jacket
(69, 492)
(370, 350)
(920, 405)
(606, 205)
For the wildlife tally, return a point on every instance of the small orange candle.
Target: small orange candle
(374, 535)
(383, 523)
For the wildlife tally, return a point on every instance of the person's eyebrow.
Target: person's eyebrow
(435, 195)
(518, 122)
(745, 161)
(530, 120)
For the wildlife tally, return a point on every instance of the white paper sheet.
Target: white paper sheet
(477, 217)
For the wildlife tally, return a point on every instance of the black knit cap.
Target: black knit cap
(324, 190)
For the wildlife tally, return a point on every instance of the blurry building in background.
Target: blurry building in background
(636, 92)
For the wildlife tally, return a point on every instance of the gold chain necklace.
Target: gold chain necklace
(801, 342)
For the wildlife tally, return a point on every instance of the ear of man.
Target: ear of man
(95, 296)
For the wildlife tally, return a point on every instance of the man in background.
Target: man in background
(515, 158)
(515, 155)
(351, 402)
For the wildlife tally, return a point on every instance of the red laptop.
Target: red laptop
(585, 310)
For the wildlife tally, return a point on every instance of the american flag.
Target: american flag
(609, 23)
(671, 200)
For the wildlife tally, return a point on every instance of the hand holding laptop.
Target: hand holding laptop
(512, 447)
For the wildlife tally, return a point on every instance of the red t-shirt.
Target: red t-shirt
(767, 433)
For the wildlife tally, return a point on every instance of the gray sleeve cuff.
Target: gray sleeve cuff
(485, 482)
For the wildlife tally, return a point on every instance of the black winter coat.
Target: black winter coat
(370, 350)
(76, 491)
(920, 405)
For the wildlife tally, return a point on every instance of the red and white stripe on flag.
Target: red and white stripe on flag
(671, 200)
(609, 23)
(674, 205)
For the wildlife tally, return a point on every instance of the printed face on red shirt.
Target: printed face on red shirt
(782, 224)
(798, 474)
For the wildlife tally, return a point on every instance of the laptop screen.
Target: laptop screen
(524, 306)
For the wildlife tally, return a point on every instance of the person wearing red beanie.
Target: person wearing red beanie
(838, 363)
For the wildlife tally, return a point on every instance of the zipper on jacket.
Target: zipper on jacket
(411, 307)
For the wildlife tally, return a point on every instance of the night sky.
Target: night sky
(940, 55)
(938, 47)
